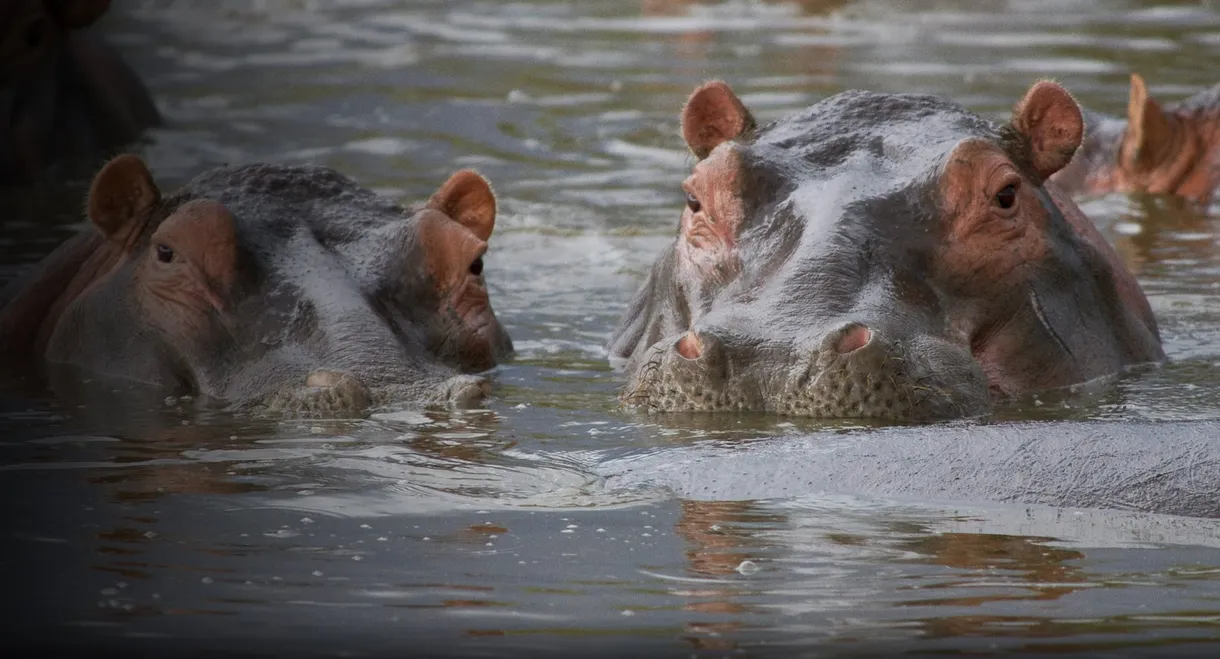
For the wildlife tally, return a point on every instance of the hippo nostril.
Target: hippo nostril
(689, 345)
(852, 338)
(466, 391)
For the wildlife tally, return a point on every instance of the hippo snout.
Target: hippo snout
(465, 391)
(850, 371)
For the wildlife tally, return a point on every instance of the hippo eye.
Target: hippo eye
(164, 253)
(1007, 196)
(692, 203)
(476, 268)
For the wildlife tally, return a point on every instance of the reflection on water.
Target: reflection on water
(140, 520)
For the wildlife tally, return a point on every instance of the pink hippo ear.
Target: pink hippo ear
(122, 197)
(76, 14)
(468, 199)
(713, 115)
(1148, 127)
(201, 235)
(1050, 118)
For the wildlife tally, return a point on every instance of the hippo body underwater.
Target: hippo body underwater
(881, 256)
(63, 92)
(1169, 150)
(281, 287)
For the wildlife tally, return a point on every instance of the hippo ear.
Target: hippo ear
(121, 197)
(1050, 119)
(76, 14)
(1147, 127)
(468, 198)
(202, 233)
(713, 115)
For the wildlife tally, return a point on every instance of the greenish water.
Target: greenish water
(136, 523)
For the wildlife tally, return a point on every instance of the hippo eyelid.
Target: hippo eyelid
(165, 253)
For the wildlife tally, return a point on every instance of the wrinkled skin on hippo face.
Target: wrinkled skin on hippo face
(290, 288)
(1170, 150)
(880, 256)
(62, 93)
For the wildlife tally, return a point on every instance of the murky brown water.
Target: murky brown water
(139, 523)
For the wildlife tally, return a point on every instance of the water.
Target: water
(133, 522)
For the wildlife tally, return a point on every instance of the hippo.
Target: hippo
(63, 93)
(1170, 150)
(269, 287)
(891, 257)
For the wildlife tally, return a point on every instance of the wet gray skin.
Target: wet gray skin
(284, 288)
(850, 260)
(63, 92)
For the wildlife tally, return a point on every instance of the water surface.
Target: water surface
(133, 521)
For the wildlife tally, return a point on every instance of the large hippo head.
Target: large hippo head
(875, 255)
(279, 286)
(1172, 149)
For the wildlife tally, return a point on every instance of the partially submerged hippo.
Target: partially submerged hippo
(875, 255)
(285, 287)
(62, 92)
(1172, 150)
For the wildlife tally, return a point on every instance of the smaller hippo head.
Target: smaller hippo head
(885, 256)
(286, 287)
(1172, 150)
(31, 30)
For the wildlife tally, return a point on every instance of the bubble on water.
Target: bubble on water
(567, 531)
(306, 520)
(1128, 228)
(600, 530)
(206, 580)
(170, 401)
(627, 613)
(317, 573)
(109, 591)
(747, 568)
(365, 526)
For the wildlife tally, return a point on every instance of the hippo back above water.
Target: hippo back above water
(1166, 150)
(282, 287)
(876, 255)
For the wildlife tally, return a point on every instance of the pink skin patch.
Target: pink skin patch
(853, 339)
(688, 346)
